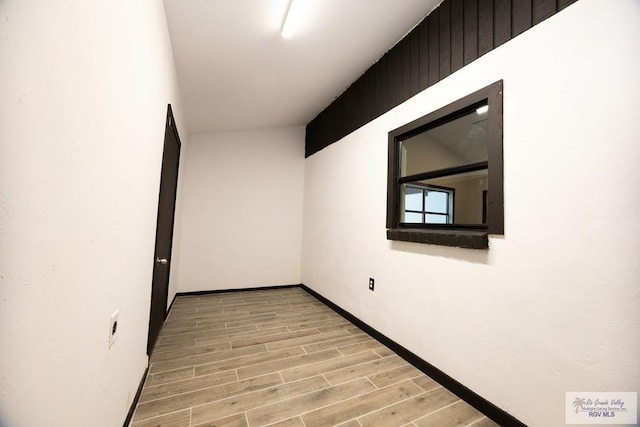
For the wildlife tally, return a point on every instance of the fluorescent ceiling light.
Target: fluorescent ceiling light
(294, 16)
(482, 110)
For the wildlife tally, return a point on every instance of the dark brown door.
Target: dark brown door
(164, 229)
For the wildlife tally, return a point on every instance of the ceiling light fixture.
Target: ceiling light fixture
(292, 18)
(482, 110)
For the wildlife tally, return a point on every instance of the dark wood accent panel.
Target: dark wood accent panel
(348, 116)
(501, 22)
(470, 30)
(434, 47)
(392, 90)
(423, 31)
(335, 123)
(396, 93)
(366, 98)
(415, 62)
(372, 85)
(542, 9)
(564, 3)
(395, 67)
(485, 26)
(445, 39)
(520, 16)
(359, 93)
(405, 45)
(312, 138)
(453, 35)
(383, 71)
(457, 35)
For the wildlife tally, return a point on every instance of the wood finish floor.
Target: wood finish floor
(282, 358)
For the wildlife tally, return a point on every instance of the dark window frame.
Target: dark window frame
(472, 235)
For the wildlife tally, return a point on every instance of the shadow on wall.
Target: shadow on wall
(475, 256)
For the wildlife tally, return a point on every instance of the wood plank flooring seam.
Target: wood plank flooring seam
(444, 408)
(207, 362)
(238, 395)
(274, 394)
(392, 404)
(249, 337)
(335, 359)
(435, 386)
(151, 377)
(358, 397)
(481, 420)
(235, 396)
(189, 391)
(146, 420)
(302, 395)
(438, 410)
(204, 369)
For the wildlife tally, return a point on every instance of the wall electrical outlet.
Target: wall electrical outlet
(113, 328)
(371, 283)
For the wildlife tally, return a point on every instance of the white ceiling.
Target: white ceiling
(236, 71)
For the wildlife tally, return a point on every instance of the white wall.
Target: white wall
(83, 93)
(553, 305)
(241, 220)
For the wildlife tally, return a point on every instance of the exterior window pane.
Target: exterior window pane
(436, 219)
(413, 199)
(436, 201)
(413, 217)
(420, 200)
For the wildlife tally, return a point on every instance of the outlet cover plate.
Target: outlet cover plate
(371, 283)
(113, 328)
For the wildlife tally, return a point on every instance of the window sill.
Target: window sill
(461, 238)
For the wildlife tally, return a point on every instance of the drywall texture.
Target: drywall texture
(84, 89)
(551, 306)
(242, 205)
